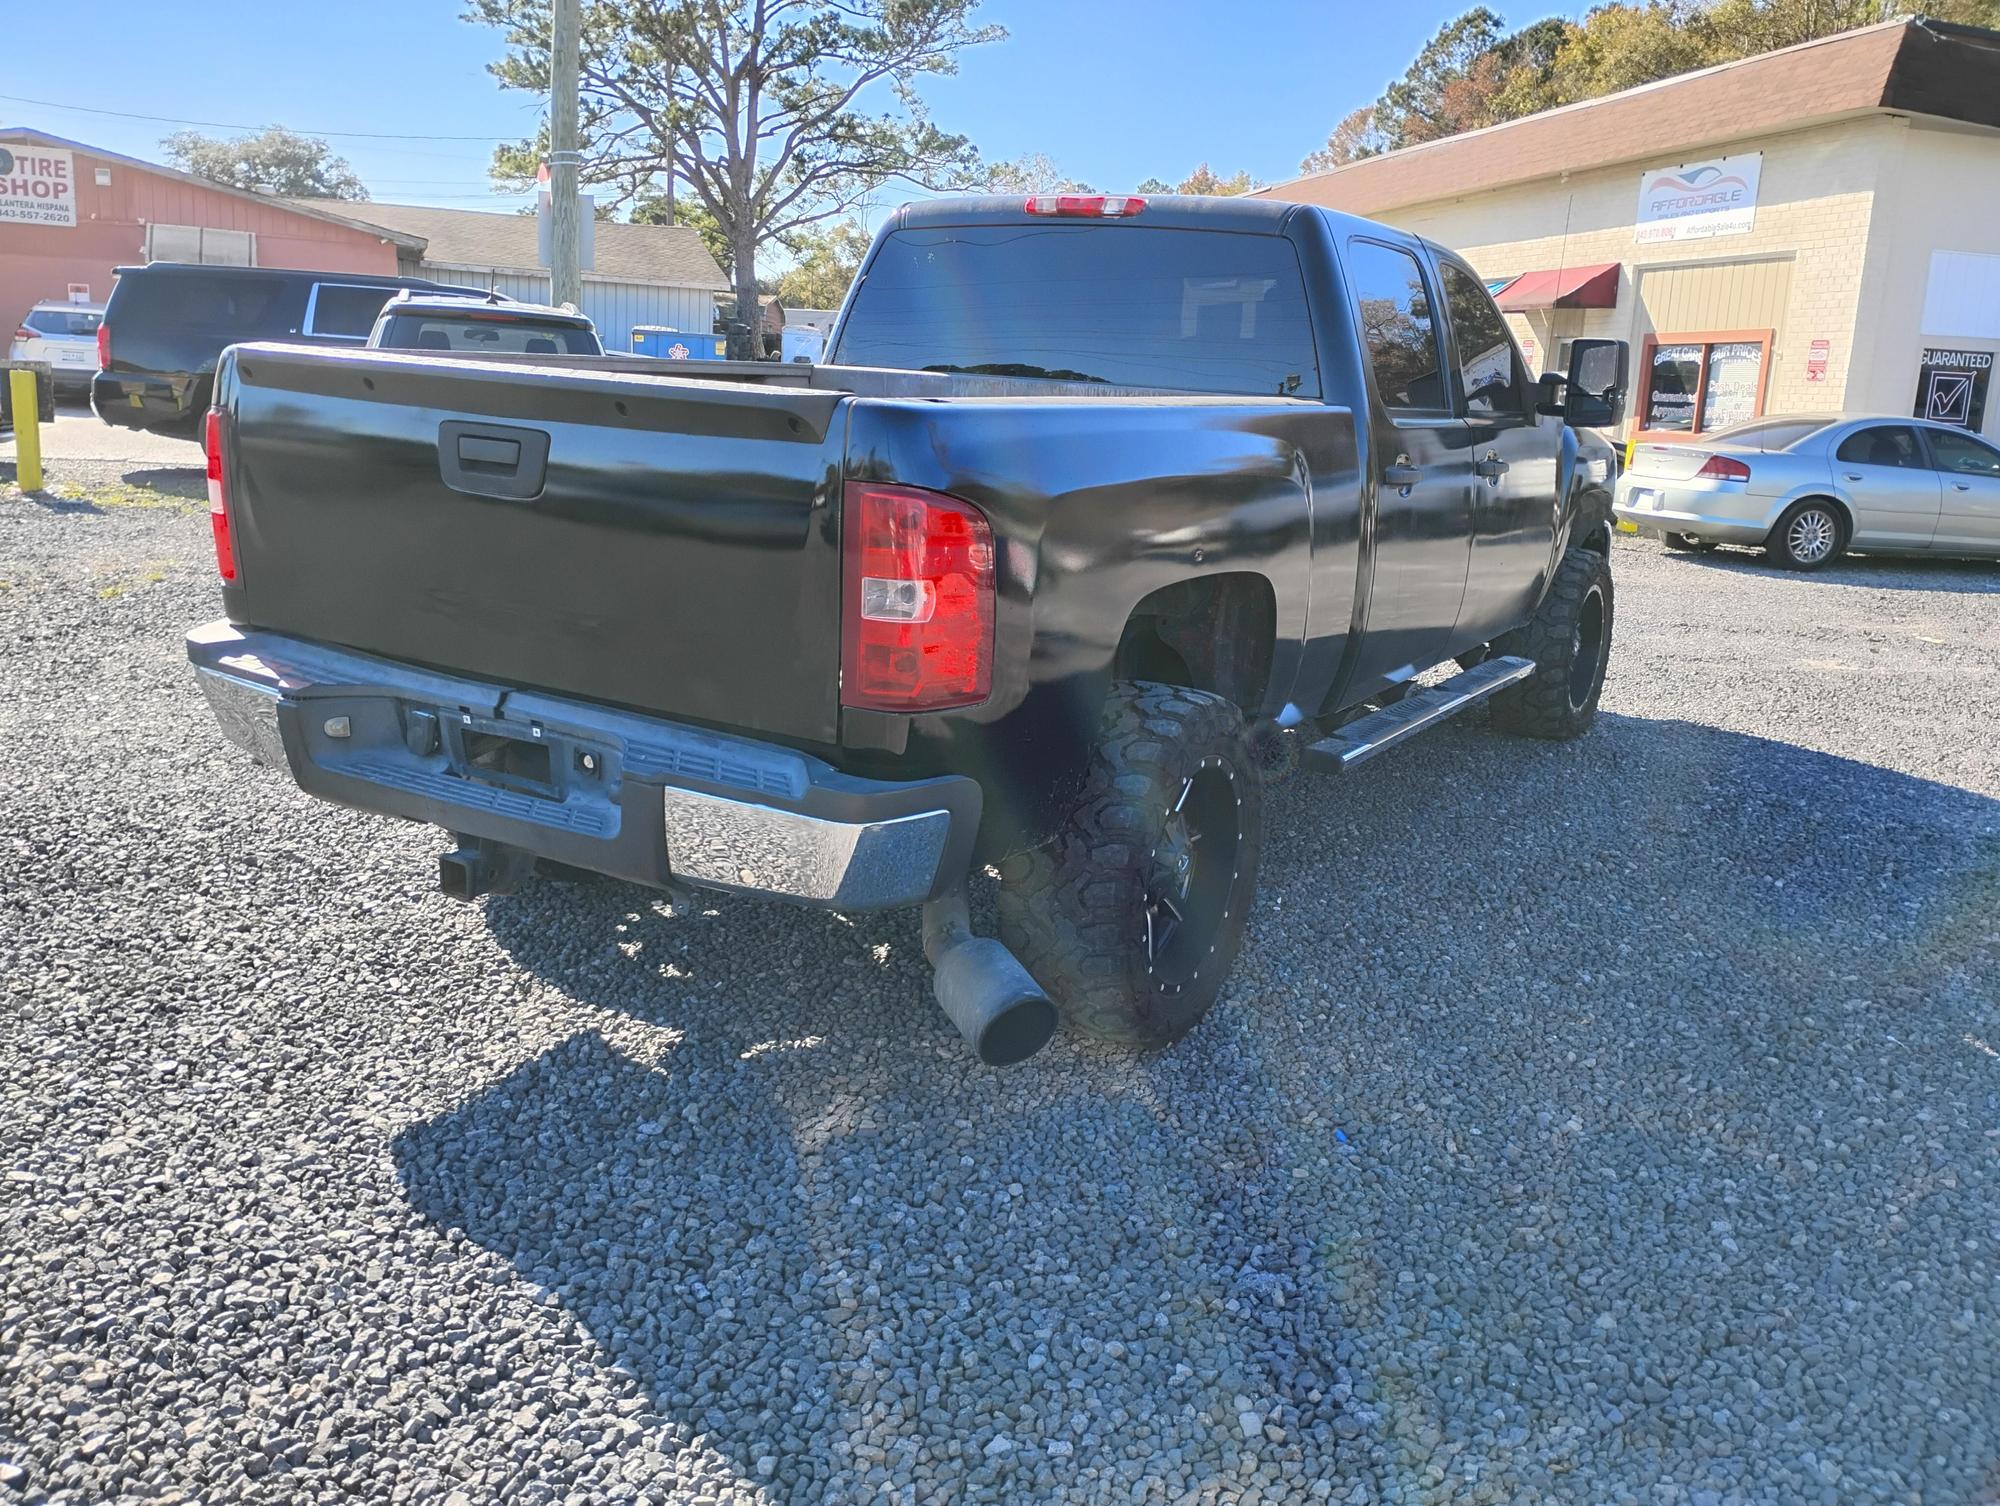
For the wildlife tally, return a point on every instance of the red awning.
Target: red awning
(1585, 287)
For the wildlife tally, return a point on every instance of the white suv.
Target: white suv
(65, 336)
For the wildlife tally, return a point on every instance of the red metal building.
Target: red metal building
(69, 213)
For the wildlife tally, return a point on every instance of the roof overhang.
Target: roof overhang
(1928, 70)
(1591, 286)
(492, 269)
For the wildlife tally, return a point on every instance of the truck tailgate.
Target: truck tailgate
(660, 543)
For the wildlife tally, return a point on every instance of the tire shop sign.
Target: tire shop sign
(37, 186)
(1951, 386)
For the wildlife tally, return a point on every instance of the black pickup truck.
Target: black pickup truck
(1098, 507)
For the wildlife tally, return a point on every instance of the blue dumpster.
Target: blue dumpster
(677, 344)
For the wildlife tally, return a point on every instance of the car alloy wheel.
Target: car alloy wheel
(1812, 536)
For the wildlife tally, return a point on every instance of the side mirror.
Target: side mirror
(1594, 395)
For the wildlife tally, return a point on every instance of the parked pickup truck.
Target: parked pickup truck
(1097, 505)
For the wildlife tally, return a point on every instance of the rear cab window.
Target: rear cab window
(1490, 372)
(1398, 327)
(1201, 311)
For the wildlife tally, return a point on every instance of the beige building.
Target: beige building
(1811, 230)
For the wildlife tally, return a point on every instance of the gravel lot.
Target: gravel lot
(81, 449)
(1613, 1122)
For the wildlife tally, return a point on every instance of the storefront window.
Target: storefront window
(1699, 383)
(1734, 379)
(1675, 383)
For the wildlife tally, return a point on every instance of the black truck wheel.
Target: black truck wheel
(1569, 639)
(1132, 915)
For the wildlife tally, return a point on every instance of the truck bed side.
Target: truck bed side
(1097, 504)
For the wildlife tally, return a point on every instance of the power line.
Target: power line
(223, 125)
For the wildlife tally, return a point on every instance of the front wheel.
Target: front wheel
(1132, 915)
(1569, 639)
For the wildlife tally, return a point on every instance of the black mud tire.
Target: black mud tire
(1812, 533)
(1570, 642)
(1076, 910)
(1687, 543)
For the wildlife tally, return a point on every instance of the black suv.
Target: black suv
(167, 323)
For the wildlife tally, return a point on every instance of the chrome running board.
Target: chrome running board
(1365, 736)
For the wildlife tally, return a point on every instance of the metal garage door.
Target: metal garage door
(1722, 295)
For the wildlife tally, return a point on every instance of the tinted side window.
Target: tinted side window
(346, 310)
(1884, 444)
(1397, 324)
(1964, 454)
(238, 308)
(1489, 368)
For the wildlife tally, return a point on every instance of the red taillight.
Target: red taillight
(917, 629)
(213, 431)
(1722, 468)
(1088, 205)
(24, 333)
(103, 347)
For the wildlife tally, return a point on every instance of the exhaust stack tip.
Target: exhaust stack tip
(999, 1009)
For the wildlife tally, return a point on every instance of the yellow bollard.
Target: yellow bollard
(27, 430)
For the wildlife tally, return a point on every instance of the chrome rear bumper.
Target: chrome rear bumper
(633, 796)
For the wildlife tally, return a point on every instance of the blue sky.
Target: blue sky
(1114, 90)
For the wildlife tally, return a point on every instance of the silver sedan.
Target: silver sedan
(1807, 489)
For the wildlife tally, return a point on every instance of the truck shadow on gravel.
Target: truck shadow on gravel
(1366, 1202)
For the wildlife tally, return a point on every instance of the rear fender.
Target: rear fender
(1096, 506)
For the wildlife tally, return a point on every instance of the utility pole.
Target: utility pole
(565, 274)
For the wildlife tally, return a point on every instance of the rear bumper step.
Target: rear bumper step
(1364, 737)
(632, 796)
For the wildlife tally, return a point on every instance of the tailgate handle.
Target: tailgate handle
(473, 450)
(493, 460)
